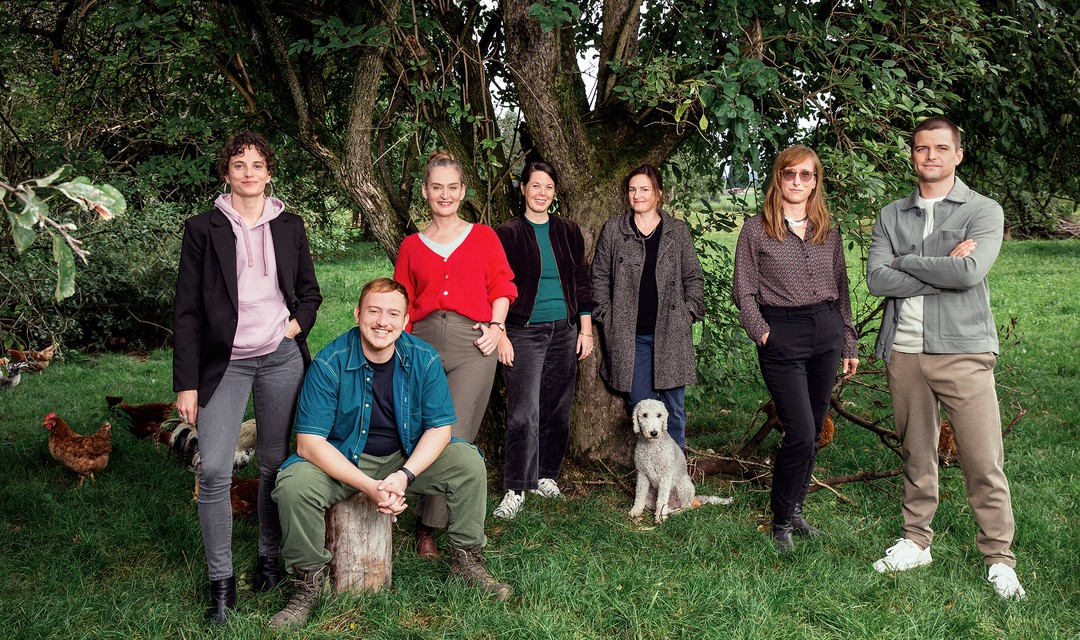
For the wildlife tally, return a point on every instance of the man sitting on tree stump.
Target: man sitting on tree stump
(374, 416)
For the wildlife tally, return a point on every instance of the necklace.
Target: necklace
(795, 223)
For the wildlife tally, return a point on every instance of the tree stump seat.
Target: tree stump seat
(360, 539)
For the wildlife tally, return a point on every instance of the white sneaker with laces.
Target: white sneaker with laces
(546, 488)
(1005, 582)
(510, 505)
(902, 556)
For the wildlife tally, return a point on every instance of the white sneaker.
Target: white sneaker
(902, 556)
(510, 505)
(546, 488)
(1005, 582)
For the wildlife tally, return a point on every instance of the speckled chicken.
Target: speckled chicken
(183, 441)
(85, 455)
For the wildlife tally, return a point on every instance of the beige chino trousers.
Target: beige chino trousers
(964, 385)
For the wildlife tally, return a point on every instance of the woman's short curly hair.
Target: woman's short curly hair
(235, 146)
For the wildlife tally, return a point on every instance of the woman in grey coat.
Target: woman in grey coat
(648, 289)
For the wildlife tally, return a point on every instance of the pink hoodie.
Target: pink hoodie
(263, 314)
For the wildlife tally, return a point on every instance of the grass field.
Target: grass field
(122, 557)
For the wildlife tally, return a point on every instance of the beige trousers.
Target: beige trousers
(964, 385)
(470, 375)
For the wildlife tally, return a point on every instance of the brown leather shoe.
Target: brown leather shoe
(425, 542)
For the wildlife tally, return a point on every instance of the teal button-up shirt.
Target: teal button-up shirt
(336, 399)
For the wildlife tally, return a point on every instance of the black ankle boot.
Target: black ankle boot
(801, 527)
(222, 599)
(267, 576)
(781, 534)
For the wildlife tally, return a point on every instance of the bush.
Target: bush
(123, 298)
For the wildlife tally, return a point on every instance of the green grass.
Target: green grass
(122, 557)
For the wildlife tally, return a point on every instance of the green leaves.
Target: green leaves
(103, 199)
(555, 13)
(65, 268)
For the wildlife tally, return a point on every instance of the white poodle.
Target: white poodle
(663, 484)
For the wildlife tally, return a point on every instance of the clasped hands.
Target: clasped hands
(389, 494)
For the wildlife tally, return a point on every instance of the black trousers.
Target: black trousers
(799, 364)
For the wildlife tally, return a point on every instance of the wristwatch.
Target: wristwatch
(410, 477)
(501, 326)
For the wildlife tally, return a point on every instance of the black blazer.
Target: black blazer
(205, 311)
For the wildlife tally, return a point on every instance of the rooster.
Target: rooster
(36, 360)
(143, 419)
(85, 455)
(183, 441)
(11, 374)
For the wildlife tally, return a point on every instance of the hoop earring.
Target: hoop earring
(225, 187)
(270, 183)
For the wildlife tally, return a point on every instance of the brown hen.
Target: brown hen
(144, 419)
(85, 455)
(36, 360)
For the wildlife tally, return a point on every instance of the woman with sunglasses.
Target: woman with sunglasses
(791, 288)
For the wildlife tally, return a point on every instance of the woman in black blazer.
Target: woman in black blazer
(246, 297)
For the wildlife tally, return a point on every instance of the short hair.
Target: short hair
(441, 158)
(934, 123)
(383, 285)
(649, 171)
(235, 146)
(540, 166)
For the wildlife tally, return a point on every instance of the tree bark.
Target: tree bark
(360, 538)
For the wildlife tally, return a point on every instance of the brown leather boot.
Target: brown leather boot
(468, 564)
(311, 584)
(425, 542)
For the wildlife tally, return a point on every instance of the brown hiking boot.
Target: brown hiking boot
(311, 583)
(468, 564)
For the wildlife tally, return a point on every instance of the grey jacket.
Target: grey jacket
(956, 307)
(680, 283)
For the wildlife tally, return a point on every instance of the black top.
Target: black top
(648, 297)
(382, 437)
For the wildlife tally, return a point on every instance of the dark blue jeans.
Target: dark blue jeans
(799, 365)
(539, 395)
(641, 387)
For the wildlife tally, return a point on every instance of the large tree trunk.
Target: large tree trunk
(592, 151)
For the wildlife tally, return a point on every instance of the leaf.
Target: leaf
(22, 223)
(59, 174)
(704, 122)
(103, 198)
(65, 268)
(23, 237)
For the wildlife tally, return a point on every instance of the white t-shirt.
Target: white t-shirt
(909, 327)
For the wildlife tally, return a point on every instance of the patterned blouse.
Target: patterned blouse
(792, 273)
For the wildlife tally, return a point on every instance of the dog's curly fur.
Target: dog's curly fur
(661, 466)
(663, 483)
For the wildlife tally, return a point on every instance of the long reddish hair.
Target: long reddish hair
(815, 204)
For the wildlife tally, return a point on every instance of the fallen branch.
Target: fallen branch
(1020, 411)
(862, 476)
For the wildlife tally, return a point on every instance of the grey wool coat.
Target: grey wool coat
(680, 283)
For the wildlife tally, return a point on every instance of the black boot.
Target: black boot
(801, 527)
(781, 534)
(222, 599)
(267, 576)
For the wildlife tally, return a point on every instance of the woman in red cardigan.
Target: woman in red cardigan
(460, 289)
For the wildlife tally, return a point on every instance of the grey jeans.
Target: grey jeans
(274, 381)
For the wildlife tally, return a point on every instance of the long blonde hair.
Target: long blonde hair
(815, 204)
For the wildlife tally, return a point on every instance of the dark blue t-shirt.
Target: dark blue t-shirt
(382, 431)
